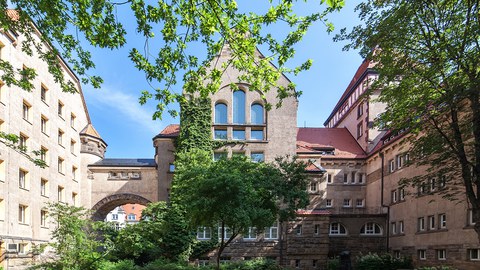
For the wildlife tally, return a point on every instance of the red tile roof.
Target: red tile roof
(13, 14)
(171, 131)
(310, 140)
(358, 76)
(312, 168)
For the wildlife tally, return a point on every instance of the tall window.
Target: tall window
(60, 137)
(26, 111)
(60, 109)
(239, 107)
(22, 141)
(44, 187)
(256, 114)
(72, 120)
(22, 214)
(61, 194)
(220, 113)
(43, 124)
(22, 179)
(60, 165)
(43, 218)
(44, 154)
(43, 93)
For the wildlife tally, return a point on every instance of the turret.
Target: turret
(91, 142)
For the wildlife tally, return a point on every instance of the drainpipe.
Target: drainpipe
(382, 201)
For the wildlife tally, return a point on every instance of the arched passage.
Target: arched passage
(107, 204)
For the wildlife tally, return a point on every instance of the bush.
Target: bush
(120, 265)
(373, 261)
(333, 264)
(165, 265)
(257, 264)
(436, 268)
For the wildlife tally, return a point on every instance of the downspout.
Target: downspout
(387, 225)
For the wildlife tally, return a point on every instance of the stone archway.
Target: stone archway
(107, 204)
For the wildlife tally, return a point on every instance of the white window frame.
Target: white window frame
(250, 234)
(394, 196)
(441, 254)
(474, 254)
(360, 203)
(347, 203)
(421, 224)
(204, 233)
(271, 232)
(335, 228)
(371, 229)
(431, 223)
(442, 221)
(328, 203)
(394, 227)
(298, 229)
(391, 167)
(401, 227)
(422, 254)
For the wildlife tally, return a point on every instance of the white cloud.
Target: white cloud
(120, 104)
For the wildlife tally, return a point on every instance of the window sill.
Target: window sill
(23, 224)
(45, 196)
(45, 102)
(44, 133)
(28, 121)
(431, 231)
(23, 188)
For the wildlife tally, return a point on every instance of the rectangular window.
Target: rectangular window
(43, 93)
(219, 155)
(360, 110)
(61, 194)
(298, 229)
(23, 248)
(329, 178)
(431, 222)
(360, 203)
(204, 233)
(227, 233)
(347, 203)
(443, 182)
(257, 156)
(61, 165)
(328, 203)
(72, 120)
(220, 134)
(442, 221)
(256, 135)
(44, 125)
(360, 129)
(43, 218)
(271, 232)
(345, 178)
(421, 224)
(317, 229)
(394, 196)
(393, 225)
(22, 214)
(441, 254)
(22, 179)
(74, 198)
(250, 233)
(360, 178)
(60, 109)
(400, 161)
(402, 194)
(44, 187)
(422, 254)
(26, 111)
(60, 137)
(114, 216)
(23, 141)
(470, 221)
(391, 167)
(74, 173)
(313, 186)
(72, 146)
(239, 134)
(353, 177)
(474, 254)
(401, 228)
(433, 184)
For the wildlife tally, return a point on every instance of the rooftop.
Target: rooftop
(125, 162)
(170, 131)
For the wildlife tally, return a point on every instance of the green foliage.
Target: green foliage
(386, 261)
(427, 58)
(162, 233)
(75, 239)
(13, 141)
(120, 265)
(257, 264)
(436, 268)
(333, 264)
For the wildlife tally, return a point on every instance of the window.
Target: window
(132, 217)
(371, 228)
(44, 187)
(433, 184)
(257, 156)
(221, 113)
(401, 228)
(393, 226)
(443, 181)
(220, 134)
(74, 198)
(474, 254)
(26, 111)
(422, 188)
(391, 167)
(239, 107)
(316, 230)
(114, 216)
(421, 224)
(219, 155)
(394, 196)
(61, 194)
(298, 229)
(74, 173)
(72, 146)
(422, 254)
(271, 232)
(347, 203)
(345, 178)
(442, 221)
(60, 137)
(23, 141)
(353, 177)
(329, 178)
(297, 263)
(60, 165)
(23, 248)
(441, 254)
(204, 233)
(431, 222)
(360, 110)
(470, 218)
(239, 134)
(2, 170)
(313, 186)
(2, 209)
(360, 178)
(171, 167)
(22, 214)
(251, 233)
(328, 203)
(43, 218)
(400, 161)
(337, 229)
(72, 120)
(60, 109)
(360, 203)
(44, 154)
(43, 93)
(402, 194)
(256, 114)
(256, 134)
(22, 179)
(227, 233)
(360, 129)
(44, 125)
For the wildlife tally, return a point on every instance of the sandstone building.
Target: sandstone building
(356, 205)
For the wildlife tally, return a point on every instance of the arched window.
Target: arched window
(257, 114)
(220, 113)
(239, 107)
(337, 229)
(371, 228)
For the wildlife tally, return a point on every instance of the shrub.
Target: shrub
(257, 264)
(333, 264)
(436, 268)
(120, 265)
(373, 261)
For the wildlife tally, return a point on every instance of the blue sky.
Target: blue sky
(128, 128)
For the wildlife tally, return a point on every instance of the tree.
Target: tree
(75, 239)
(237, 194)
(174, 26)
(427, 58)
